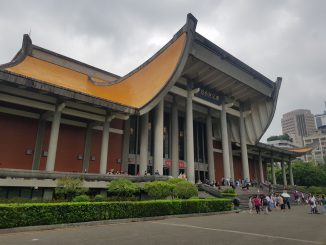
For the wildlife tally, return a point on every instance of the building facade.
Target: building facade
(320, 119)
(317, 142)
(191, 108)
(298, 124)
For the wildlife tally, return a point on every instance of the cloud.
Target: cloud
(277, 38)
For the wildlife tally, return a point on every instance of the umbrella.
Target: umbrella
(284, 194)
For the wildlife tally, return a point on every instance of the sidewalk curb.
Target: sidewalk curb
(106, 222)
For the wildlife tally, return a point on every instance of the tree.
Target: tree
(305, 174)
(185, 190)
(123, 187)
(159, 189)
(69, 187)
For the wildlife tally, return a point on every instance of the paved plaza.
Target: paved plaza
(291, 227)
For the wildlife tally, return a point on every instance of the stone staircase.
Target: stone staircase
(243, 195)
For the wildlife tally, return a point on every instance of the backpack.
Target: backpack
(265, 202)
(236, 202)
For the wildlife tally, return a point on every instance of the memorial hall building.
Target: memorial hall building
(191, 108)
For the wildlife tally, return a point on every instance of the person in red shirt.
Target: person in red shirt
(257, 202)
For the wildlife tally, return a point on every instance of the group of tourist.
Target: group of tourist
(315, 201)
(276, 201)
(267, 203)
(244, 184)
(116, 172)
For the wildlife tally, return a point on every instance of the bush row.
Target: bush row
(315, 190)
(14, 215)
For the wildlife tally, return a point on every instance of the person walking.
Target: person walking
(264, 200)
(286, 197)
(323, 203)
(312, 203)
(257, 203)
(280, 201)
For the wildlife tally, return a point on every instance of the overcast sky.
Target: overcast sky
(277, 38)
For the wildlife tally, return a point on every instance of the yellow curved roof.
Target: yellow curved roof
(300, 150)
(133, 91)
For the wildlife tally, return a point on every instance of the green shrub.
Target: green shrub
(315, 190)
(228, 194)
(99, 198)
(69, 187)
(21, 200)
(159, 189)
(123, 187)
(81, 198)
(175, 181)
(122, 199)
(185, 190)
(14, 215)
(229, 190)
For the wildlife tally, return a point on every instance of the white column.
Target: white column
(53, 143)
(105, 146)
(125, 147)
(158, 137)
(190, 137)
(285, 183)
(273, 172)
(210, 153)
(291, 173)
(175, 140)
(143, 158)
(261, 171)
(231, 158)
(225, 144)
(244, 152)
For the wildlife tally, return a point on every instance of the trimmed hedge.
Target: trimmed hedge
(14, 215)
(228, 194)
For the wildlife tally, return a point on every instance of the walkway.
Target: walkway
(290, 227)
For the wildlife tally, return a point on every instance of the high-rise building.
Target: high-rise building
(320, 119)
(298, 124)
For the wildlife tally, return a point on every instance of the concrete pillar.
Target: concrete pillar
(209, 143)
(261, 171)
(291, 173)
(190, 136)
(105, 146)
(87, 147)
(125, 147)
(175, 140)
(285, 183)
(244, 151)
(158, 137)
(38, 144)
(143, 158)
(231, 158)
(53, 142)
(273, 172)
(225, 144)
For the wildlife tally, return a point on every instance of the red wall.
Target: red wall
(237, 167)
(218, 163)
(17, 134)
(253, 169)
